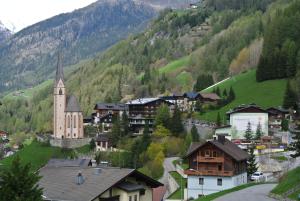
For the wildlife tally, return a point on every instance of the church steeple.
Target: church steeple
(59, 69)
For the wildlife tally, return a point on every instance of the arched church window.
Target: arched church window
(60, 92)
(79, 121)
(74, 121)
(69, 121)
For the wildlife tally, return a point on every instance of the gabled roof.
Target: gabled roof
(59, 183)
(228, 147)
(191, 95)
(73, 105)
(212, 96)
(59, 70)
(279, 109)
(252, 108)
(143, 101)
(111, 106)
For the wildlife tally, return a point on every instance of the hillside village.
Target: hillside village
(185, 110)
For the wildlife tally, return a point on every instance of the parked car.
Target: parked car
(257, 176)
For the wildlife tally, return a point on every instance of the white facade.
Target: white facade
(210, 184)
(239, 123)
(59, 109)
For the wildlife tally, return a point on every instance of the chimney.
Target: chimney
(221, 139)
(79, 179)
(94, 163)
(97, 171)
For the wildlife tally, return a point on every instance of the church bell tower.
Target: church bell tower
(59, 101)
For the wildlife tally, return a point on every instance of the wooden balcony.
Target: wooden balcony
(208, 173)
(208, 159)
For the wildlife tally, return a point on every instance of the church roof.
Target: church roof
(59, 70)
(73, 105)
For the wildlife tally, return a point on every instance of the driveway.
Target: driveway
(254, 193)
(168, 167)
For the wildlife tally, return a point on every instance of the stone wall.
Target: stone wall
(69, 143)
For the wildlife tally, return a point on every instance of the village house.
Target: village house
(143, 111)
(79, 180)
(103, 143)
(176, 99)
(276, 115)
(105, 112)
(191, 98)
(239, 117)
(214, 166)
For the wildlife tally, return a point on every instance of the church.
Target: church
(68, 118)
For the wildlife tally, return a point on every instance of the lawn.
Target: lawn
(175, 65)
(182, 182)
(279, 158)
(38, 154)
(184, 78)
(247, 90)
(288, 181)
(221, 193)
(294, 196)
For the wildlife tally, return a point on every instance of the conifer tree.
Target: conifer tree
(176, 120)
(163, 116)
(146, 139)
(225, 93)
(218, 91)
(258, 133)
(92, 144)
(124, 124)
(248, 132)
(290, 98)
(19, 182)
(251, 163)
(295, 146)
(194, 134)
(219, 121)
(231, 95)
(116, 132)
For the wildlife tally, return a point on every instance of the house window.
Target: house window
(135, 197)
(219, 182)
(201, 181)
(202, 153)
(214, 154)
(142, 192)
(130, 198)
(220, 167)
(207, 153)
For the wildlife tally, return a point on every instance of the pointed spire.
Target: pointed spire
(59, 69)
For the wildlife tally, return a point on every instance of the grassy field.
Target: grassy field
(38, 154)
(175, 65)
(279, 158)
(221, 193)
(178, 194)
(290, 180)
(247, 90)
(28, 93)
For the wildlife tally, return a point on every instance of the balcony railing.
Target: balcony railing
(208, 173)
(208, 159)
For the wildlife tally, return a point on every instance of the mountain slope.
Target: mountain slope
(29, 56)
(5, 33)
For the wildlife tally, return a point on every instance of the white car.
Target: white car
(257, 176)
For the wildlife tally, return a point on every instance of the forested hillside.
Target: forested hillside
(29, 56)
(216, 40)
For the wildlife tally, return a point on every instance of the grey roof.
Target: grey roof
(68, 163)
(228, 147)
(73, 105)
(111, 106)
(191, 95)
(59, 182)
(129, 187)
(142, 101)
(59, 69)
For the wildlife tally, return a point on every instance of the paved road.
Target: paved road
(254, 193)
(168, 166)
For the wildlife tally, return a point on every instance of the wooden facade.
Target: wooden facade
(210, 160)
